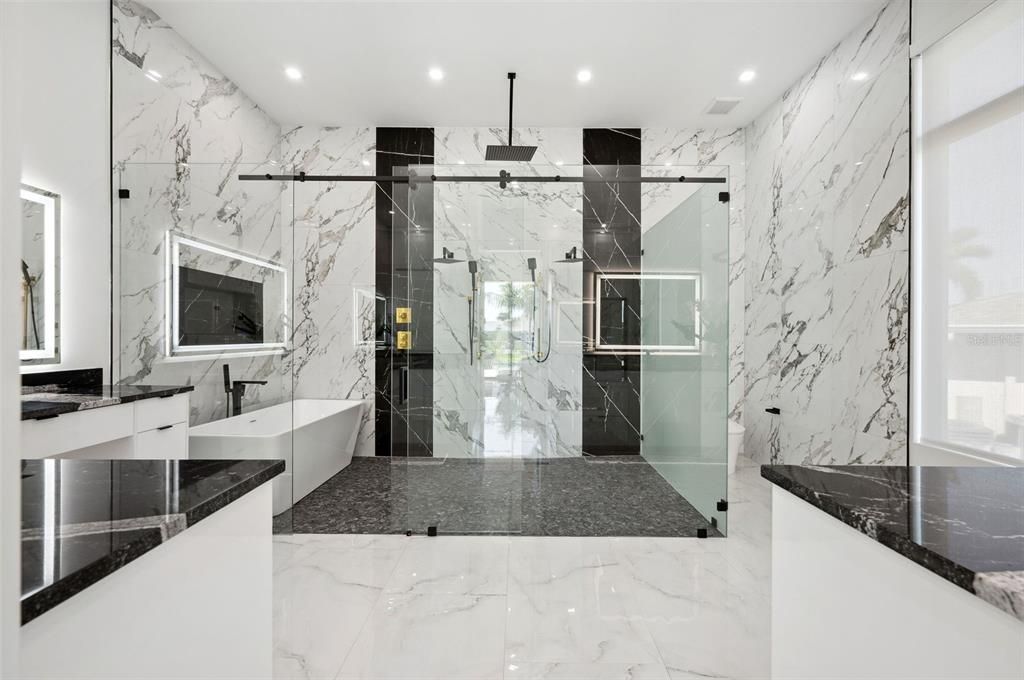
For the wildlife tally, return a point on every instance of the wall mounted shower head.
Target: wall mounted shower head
(447, 257)
(531, 262)
(472, 267)
(571, 257)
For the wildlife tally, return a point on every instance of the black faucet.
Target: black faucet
(236, 389)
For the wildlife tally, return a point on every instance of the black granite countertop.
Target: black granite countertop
(50, 401)
(966, 524)
(112, 512)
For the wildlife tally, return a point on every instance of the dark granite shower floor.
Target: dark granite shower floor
(607, 496)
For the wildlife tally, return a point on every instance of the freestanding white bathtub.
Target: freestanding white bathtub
(315, 437)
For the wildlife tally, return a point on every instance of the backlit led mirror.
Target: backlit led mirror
(222, 300)
(40, 275)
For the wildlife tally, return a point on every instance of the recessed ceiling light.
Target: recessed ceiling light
(668, 164)
(747, 76)
(462, 162)
(859, 76)
(584, 76)
(293, 73)
(436, 74)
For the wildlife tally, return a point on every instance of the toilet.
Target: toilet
(735, 441)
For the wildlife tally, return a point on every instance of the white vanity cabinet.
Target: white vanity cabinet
(161, 427)
(148, 428)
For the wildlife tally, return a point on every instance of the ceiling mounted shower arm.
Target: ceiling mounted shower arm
(510, 153)
(511, 86)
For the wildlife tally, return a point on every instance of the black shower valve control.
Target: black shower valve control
(774, 410)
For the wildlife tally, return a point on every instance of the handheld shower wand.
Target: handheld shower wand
(535, 352)
(472, 309)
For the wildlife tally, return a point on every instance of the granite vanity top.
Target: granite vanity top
(50, 401)
(966, 524)
(112, 512)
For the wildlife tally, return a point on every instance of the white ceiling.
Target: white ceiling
(654, 63)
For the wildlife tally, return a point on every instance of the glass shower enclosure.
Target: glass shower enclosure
(545, 330)
(529, 307)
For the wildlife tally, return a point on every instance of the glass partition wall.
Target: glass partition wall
(549, 360)
(526, 311)
(684, 293)
(203, 295)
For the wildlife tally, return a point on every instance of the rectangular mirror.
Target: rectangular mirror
(670, 312)
(40, 275)
(220, 300)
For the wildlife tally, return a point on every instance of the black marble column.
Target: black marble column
(611, 244)
(404, 273)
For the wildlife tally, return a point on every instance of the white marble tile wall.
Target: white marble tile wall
(707, 151)
(182, 134)
(334, 245)
(535, 411)
(827, 257)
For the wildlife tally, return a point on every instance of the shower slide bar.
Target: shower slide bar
(501, 178)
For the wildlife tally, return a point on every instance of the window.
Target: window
(969, 237)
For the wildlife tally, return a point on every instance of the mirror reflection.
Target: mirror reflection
(40, 225)
(221, 299)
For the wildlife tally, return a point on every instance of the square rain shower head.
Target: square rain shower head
(509, 153)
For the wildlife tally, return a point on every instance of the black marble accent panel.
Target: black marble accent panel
(404, 276)
(78, 377)
(47, 401)
(965, 524)
(611, 245)
(111, 513)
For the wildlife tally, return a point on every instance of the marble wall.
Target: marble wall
(335, 282)
(182, 132)
(826, 257)
(504, 403)
(817, 225)
(334, 286)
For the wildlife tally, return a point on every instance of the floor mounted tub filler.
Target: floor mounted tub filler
(315, 437)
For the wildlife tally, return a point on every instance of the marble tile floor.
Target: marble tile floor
(388, 607)
(606, 496)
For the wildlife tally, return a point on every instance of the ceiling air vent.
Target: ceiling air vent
(723, 105)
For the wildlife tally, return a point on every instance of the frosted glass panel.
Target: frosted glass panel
(684, 334)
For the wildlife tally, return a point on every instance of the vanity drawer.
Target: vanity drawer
(169, 442)
(153, 413)
(76, 430)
